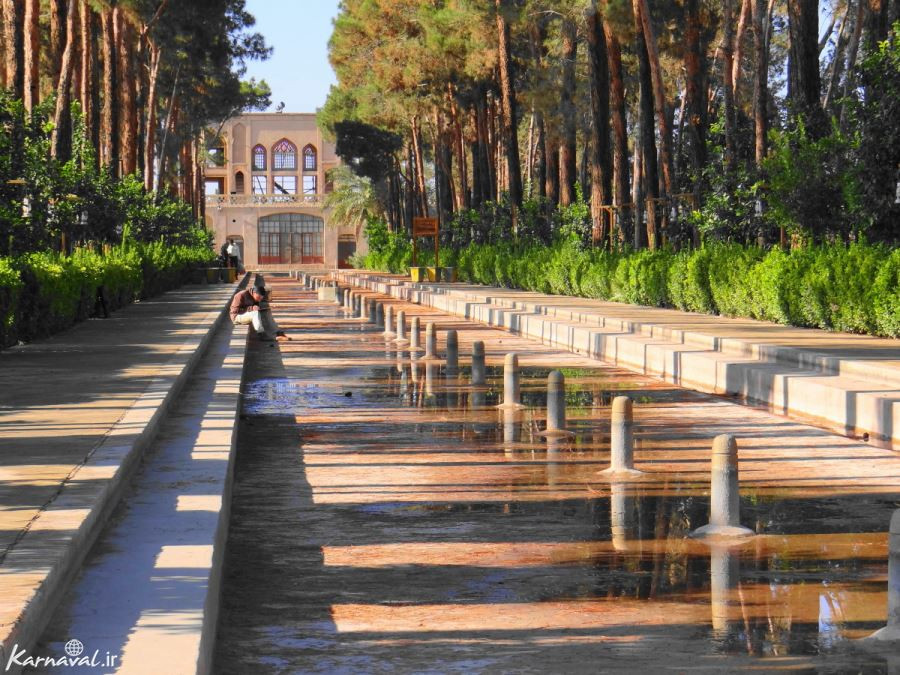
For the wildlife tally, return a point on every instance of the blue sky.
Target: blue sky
(298, 70)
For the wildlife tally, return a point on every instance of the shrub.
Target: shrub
(641, 278)
(676, 281)
(852, 288)
(10, 292)
(886, 292)
(697, 294)
(770, 281)
(728, 271)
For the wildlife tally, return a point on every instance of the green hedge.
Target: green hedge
(43, 293)
(853, 288)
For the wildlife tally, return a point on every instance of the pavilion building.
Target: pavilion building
(266, 178)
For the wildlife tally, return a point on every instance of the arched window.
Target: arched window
(239, 182)
(259, 158)
(309, 158)
(284, 155)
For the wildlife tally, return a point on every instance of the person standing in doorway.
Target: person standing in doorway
(234, 255)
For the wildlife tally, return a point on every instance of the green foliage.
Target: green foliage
(878, 154)
(811, 185)
(853, 288)
(388, 251)
(42, 199)
(641, 278)
(10, 292)
(728, 270)
(697, 295)
(886, 294)
(44, 292)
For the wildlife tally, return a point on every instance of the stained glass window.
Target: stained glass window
(259, 158)
(309, 158)
(284, 155)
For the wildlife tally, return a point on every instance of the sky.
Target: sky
(298, 70)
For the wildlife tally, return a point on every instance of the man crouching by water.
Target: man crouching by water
(252, 306)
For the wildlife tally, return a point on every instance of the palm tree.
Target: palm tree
(352, 202)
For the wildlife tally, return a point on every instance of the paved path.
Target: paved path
(849, 383)
(383, 522)
(72, 407)
(148, 592)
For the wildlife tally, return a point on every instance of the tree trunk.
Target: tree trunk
(442, 170)
(125, 40)
(150, 134)
(409, 203)
(601, 159)
(619, 128)
(14, 32)
(760, 81)
(420, 166)
(507, 95)
(739, 46)
(481, 158)
(567, 171)
(840, 48)
(876, 23)
(540, 158)
(637, 192)
(57, 38)
(2, 45)
(168, 129)
(649, 168)
(727, 70)
(852, 53)
(58, 142)
(804, 63)
(551, 154)
(32, 38)
(695, 105)
(462, 183)
(659, 96)
(109, 145)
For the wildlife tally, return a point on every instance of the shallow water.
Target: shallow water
(413, 526)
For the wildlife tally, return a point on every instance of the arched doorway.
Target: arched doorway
(346, 248)
(291, 238)
(239, 242)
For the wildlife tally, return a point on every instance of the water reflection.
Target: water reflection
(814, 579)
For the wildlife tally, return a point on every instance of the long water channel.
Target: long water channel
(387, 517)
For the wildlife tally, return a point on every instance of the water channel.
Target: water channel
(387, 517)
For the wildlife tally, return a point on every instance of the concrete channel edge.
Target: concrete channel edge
(121, 449)
(848, 397)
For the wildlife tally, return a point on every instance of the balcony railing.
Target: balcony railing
(310, 201)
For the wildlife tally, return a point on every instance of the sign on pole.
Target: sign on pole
(425, 227)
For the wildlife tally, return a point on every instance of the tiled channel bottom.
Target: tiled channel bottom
(389, 518)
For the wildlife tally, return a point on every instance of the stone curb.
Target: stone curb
(106, 473)
(220, 540)
(851, 396)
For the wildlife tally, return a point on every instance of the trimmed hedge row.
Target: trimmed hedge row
(853, 288)
(44, 293)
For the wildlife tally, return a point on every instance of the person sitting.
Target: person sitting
(252, 307)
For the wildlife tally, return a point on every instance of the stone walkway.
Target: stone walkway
(848, 383)
(75, 413)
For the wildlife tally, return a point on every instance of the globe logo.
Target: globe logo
(74, 648)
